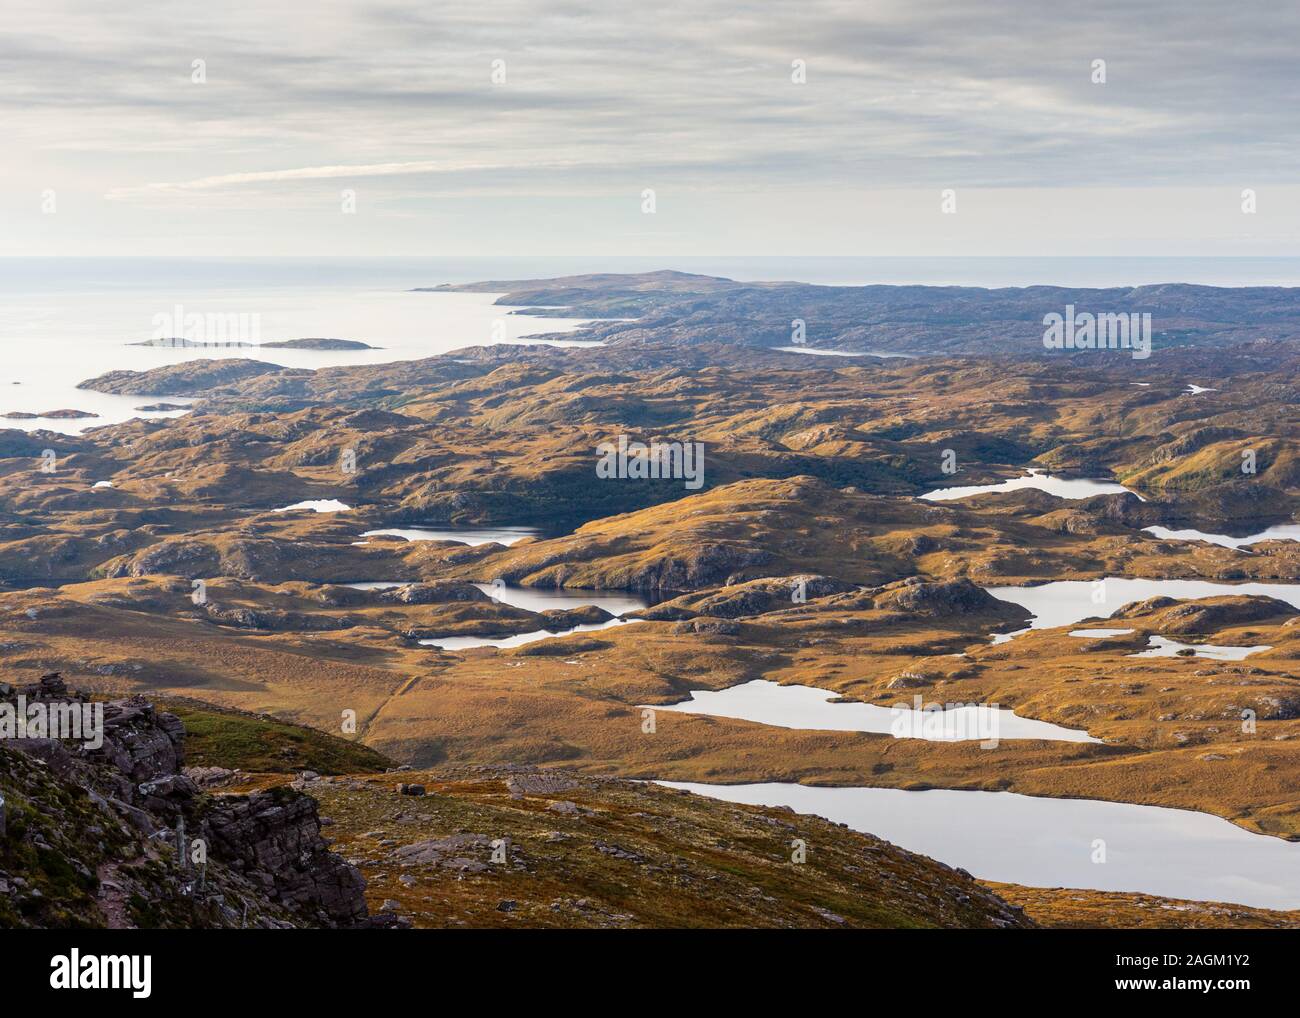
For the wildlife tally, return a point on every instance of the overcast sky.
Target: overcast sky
(394, 100)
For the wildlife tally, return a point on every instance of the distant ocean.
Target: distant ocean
(52, 275)
(63, 320)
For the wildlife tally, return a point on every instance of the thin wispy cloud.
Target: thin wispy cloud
(236, 180)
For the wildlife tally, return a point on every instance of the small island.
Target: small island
(21, 415)
(319, 344)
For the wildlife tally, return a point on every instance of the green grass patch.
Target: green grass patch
(253, 743)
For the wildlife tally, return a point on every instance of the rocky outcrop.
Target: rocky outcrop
(1205, 616)
(275, 620)
(708, 565)
(437, 592)
(1192, 441)
(180, 379)
(117, 812)
(257, 559)
(953, 597)
(752, 598)
(142, 747)
(273, 838)
(559, 620)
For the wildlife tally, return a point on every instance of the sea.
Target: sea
(65, 320)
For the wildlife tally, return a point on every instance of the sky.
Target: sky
(529, 128)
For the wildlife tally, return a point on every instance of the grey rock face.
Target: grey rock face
(270, 839)
(140, 743)
(274, 837)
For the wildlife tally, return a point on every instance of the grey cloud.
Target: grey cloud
(899, 94)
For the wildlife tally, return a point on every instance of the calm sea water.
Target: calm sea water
(64, 320)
